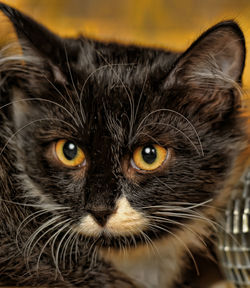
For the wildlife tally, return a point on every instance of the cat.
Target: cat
(115, 159)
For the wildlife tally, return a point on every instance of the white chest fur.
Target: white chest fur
(160, 265)
(150, 267)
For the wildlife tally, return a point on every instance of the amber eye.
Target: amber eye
(149, 157)
(69, 153)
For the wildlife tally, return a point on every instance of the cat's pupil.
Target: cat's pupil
(69, 150)
(149, 154)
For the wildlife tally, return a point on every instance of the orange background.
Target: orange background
(172, 24)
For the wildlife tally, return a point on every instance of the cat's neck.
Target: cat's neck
(161, 263)
(156, 266)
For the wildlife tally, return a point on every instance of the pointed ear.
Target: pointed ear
(37, 40)
(216, 58)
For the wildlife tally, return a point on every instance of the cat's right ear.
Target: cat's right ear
(209, 72)
(218, 55)
(37, 40)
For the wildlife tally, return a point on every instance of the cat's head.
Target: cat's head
(124, 143)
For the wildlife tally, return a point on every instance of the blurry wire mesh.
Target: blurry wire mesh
(234, 245)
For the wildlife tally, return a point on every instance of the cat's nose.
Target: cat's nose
(100, 216)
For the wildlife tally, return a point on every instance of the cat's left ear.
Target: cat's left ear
(215, 59)
(38, 40)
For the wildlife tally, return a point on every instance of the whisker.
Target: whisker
(171, 221)
(26, 221)
(40, 99)
(173, 127)
(94, 257)
(186, 216)
(126, 89)
(149, 136)
(31, 243)
(150, 243)
(163, 183)
(65, 246)
(27, 247)
(57, 256)
(138, 105)
(77, 246)
(31, 205)
(170, 207)
(90, 251)
(99, 69)
(133, 239)
(65, 99)
(50, 239)
(183, 243)
(71, 249)
(176, 113)
(74, 86)
(53, 246)
(30, 123)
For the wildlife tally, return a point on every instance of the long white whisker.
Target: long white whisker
(26, 221)
(53, 245)
(31, 240)
(50, 239)
(65, 246)
(65, 99)
(170, 206)
(29, 205)
(138, 105)
(74, 86)
(183, 243)
(77, 246)
(126, 89)
(57, 256)
(71, 248)
(190, 215)
(173, 127)
(179, 114)
(150, 242)
(30, 123)
(171, 221)
(40, 99)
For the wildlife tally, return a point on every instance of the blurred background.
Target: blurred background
(171, 24)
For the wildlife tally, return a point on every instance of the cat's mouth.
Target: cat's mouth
(125, 222)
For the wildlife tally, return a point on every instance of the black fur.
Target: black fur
(110, 98)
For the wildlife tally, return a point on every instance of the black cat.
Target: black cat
(115, 159)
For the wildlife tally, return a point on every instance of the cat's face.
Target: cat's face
(124, 138)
